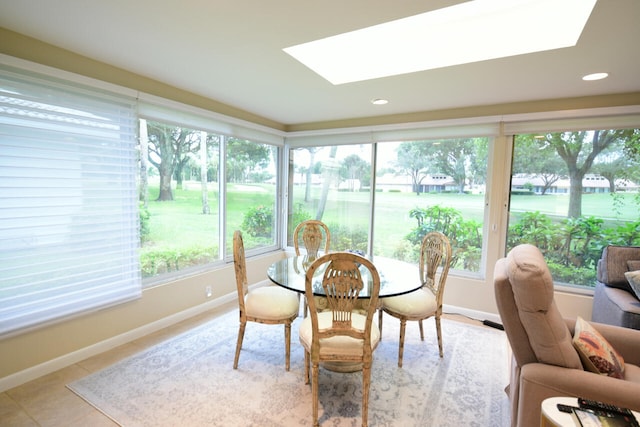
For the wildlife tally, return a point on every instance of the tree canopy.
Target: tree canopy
(579, 151)
(243, 157)
(169, 149)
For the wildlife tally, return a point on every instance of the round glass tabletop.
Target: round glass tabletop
(396, 277)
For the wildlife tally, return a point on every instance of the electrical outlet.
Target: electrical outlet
(208, 292)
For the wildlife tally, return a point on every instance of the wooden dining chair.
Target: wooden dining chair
(340, 334)
(426, 302)
(312, 233)
(266, 304)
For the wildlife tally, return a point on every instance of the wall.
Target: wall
(29, 355)
(20, 46)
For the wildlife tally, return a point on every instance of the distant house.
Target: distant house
(591, 183)
(431, 183)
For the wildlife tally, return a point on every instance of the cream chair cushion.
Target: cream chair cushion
(420, 303)
(339, 345)
(271, 303)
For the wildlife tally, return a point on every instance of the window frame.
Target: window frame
(152, 108)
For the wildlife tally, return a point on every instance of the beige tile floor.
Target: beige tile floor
(47, 402)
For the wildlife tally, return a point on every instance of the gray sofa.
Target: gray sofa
(614, 302)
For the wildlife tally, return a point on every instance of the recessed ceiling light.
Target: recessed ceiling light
(379, 101)
(595, 76)
(472, 31)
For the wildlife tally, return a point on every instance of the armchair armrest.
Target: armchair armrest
(539, 381)
(625, 340)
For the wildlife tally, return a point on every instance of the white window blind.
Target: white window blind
(163, 110)
(68, 199)
(444, 129)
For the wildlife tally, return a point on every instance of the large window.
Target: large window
(333, 184)
(251, 193)
(573, 193)
(183, 181)
(431, 185)
(179, 198)
(419, 186)
(69, 212)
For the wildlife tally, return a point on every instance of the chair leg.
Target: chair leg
(306, 366)
(366, 383)
(314, 393)
(421, 330)
(439, 333)
(287, 345)
(380, 322)
(403, 325)
(239, 344)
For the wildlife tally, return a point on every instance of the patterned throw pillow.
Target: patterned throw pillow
(633, 277)
(596, 353)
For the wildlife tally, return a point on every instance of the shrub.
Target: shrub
(145, 229)
(572, 275)
(258, 221)
(164, 260)
(297, 217)
(344, 238)
(571, 247)
(465, 236)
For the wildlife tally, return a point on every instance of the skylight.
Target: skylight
(473, 31)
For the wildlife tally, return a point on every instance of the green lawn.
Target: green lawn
(598, 205)
(181, 223)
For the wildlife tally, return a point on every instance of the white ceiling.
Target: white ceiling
(231, 51)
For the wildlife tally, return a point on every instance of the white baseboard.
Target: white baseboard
(473, 314)
(61, 362)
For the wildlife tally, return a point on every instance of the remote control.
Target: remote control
(565, 408)
(600, 406)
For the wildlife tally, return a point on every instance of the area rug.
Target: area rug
(189, 380)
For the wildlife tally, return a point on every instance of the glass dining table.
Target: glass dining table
(396, 277)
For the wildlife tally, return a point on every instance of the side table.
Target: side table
(552, 417)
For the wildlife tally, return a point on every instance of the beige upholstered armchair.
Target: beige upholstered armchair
(545, 362)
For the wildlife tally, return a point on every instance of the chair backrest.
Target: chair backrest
(435, 260)
(312, 233)
(342, 281)
(524, 292)
(240, 266)
(535, 329)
